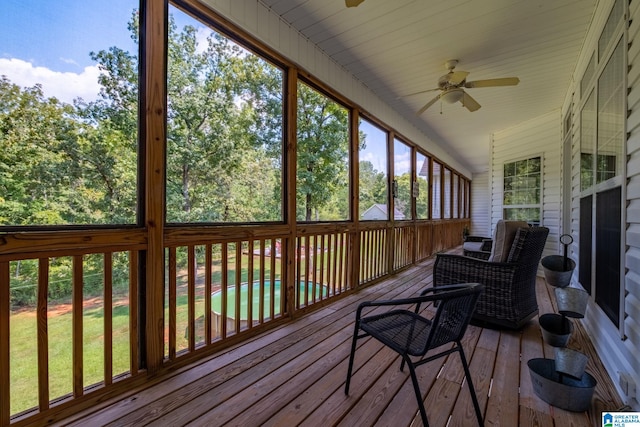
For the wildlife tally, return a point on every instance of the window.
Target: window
(224, 129)
(422, 183)
(322, 192)
(402, 179)
(611, 115)
(456, 196)
(69, 97)
(587, 142)
(522, 188)
(447, 193)
(373, 158)
(436, 191)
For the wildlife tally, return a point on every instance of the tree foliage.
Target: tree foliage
(77, 164)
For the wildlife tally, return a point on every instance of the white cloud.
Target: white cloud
(65, 86)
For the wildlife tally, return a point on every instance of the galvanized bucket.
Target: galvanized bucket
(553, 267)
(558, 390)
(559, 269)
(570, 362)
(572, 302)
(556, 329)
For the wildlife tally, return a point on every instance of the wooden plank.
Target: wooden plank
(5, 311)
(502, 403)
(207, 288)
(77, 336)
(481, 366)
(312, 391)
(172, 301)
(403, 408)
(153, 148)
(134, 335)
(45, 244)
(295, 374)
(191, 296)
(253, 354)
(251, 404)
(532, 408)
(43, 334)
(107, 307)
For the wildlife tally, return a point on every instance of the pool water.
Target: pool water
(216, 298)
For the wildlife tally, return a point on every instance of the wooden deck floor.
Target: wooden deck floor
(294, 375)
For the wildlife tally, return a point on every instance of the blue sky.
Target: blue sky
(60, 34)
(48, 42)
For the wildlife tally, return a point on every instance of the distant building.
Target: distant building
(378, 211)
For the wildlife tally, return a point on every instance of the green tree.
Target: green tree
(373, 186)
(323, 152)
(403, 199)
(224, 131)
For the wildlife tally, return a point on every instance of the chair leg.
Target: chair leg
(472, 390)
(351, 357)
(416, 389)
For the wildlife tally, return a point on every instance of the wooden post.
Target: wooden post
(290, 146)
(354, 247)
(153, 148)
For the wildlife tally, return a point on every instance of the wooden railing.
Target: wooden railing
(55, 352)
(222, 284)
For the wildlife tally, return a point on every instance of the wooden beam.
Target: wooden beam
(153, 148)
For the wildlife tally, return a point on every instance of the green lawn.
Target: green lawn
(23, 337)
(23, 354)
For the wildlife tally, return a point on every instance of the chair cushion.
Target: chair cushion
(503, 239)
(473, 246)
(518, 243)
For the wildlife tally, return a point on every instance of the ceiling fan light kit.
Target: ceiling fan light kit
(452, 96)
(452, 87)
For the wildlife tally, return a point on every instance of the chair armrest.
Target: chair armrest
(476, 238)
(427, 295)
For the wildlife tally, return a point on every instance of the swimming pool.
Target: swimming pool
(216, 298)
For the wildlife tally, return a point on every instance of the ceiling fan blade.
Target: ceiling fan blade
(353, 3)
(418, 93)
(506, 81)
(457, 77)
(428, 104)
(470, 103)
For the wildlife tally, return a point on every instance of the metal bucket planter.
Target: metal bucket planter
(570, 362)
(558, 269)
(558, 390)
(555, 271)
(572, 302)
(556, 329)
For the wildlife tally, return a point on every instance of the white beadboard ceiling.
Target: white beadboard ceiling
(400, 47)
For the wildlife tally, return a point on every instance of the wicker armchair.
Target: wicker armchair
(509, 298)
(477, 247)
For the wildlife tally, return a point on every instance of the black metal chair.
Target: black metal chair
(412, 335)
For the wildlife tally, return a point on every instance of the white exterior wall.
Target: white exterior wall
(480, 206)
(618, 348)
(537, 137)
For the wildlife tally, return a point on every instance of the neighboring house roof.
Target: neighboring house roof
(379, 211)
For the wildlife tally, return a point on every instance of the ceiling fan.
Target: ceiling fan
(452, 85)
(352, 3)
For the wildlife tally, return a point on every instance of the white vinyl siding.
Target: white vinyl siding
(540, 137)
(617, 348)
(480, 206)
